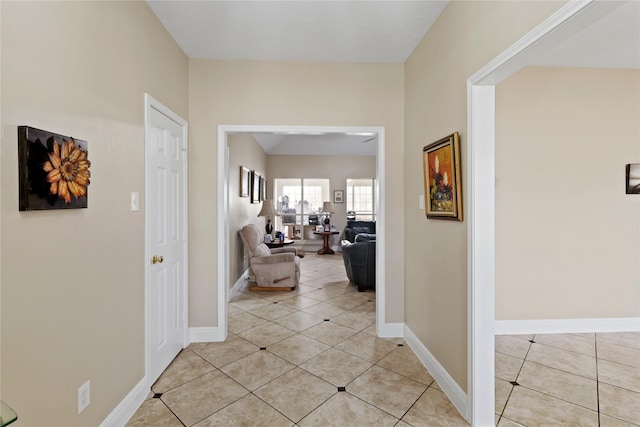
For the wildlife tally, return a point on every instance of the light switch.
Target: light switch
(135, 205)
(421, 201)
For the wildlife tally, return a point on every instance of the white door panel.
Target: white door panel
(166, 240)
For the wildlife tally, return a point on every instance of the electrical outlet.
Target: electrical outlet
(84, 396)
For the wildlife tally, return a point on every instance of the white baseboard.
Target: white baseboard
(567, 326)
(242, 280)
(453, 391)
(391, 330)
(206, 334)
(129, 405)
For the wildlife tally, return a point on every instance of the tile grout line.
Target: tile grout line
(541, 363)
(346, 292)
(298, 365)
(571, 373)
(531, 342)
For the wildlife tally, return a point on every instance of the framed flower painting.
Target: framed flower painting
(442, 181)
(53, 170)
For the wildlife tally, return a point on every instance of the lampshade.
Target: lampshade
(267, 209)
(327, 208)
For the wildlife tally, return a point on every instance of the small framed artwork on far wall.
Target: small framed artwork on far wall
(255, 187)
(633, 178)
(263, 188)
(338, 196)
(245, 182)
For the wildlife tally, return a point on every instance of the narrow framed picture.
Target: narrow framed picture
(442, 180)
(263, 188)
(338, 196)
(245, 181)
(633, 178)
(255, 187)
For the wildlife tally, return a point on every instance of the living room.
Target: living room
(332, 171)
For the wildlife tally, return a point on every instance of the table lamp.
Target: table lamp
(327, 210)
(270, 212)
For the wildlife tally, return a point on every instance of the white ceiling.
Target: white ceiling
(335, 144)
(335, 31)
(609, 38)
(369, 31)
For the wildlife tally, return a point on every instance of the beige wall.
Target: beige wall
(467, 35)
(245, 151)
(567, 235)
(287, 93)
(73, 280)
(335, 168)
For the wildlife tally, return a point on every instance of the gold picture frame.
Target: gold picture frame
(442, 178)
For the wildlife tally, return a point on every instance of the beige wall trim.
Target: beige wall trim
(448, 385)
(567, 326)
(129, 405)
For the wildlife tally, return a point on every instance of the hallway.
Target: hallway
(311, 358)
(307, 358)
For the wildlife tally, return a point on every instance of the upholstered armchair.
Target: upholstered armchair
(274, 269)
(354, 228)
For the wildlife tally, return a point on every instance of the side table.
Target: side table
(326, 250)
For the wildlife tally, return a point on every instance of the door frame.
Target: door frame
(481, 113)
(152, 103)
(382, 328)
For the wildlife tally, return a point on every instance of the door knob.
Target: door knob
(157, 259)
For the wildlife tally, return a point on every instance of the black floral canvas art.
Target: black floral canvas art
(53, 170)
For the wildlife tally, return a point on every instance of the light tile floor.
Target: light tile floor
(311, 358)
(568, 380)
(306, 358)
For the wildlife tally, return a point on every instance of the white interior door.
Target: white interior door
(166, 237)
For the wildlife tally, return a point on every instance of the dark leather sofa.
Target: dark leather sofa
(360, 254)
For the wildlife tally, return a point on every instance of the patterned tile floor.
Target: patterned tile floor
(568, 380)
(311, 358)
(306, 358)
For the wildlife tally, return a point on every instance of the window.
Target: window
(315, 193)
(296, 200)
(360, 198)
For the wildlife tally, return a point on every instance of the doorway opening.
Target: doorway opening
(223, 244)
(564, 25)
